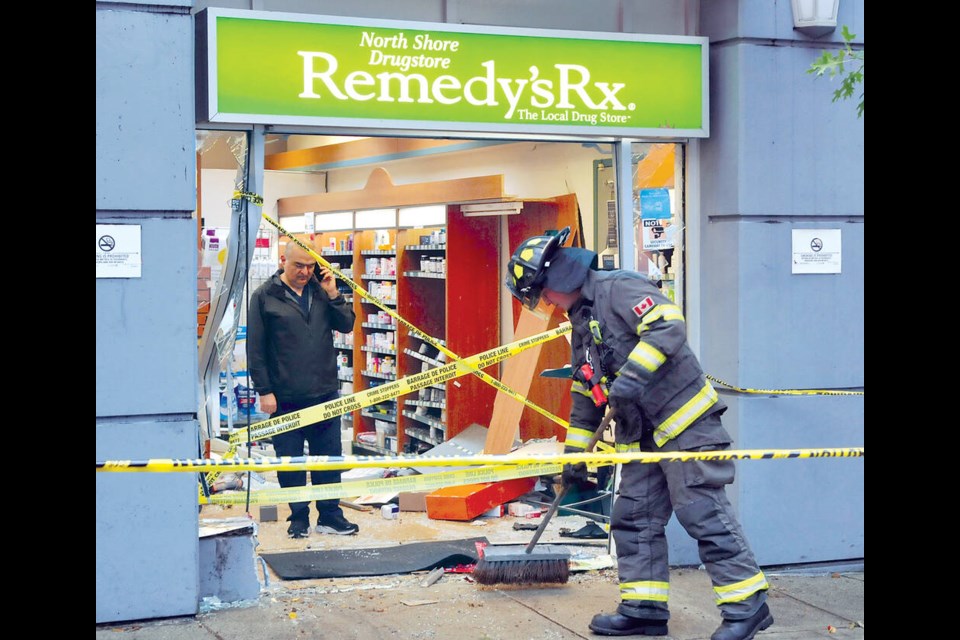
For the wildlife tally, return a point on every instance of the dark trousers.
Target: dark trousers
(323, 439)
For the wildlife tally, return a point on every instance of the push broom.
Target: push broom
(516, 564)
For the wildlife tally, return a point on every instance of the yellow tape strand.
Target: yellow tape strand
(407, 384)
(425, 482)
(253, 198)
(457, 368)
(787, 392)
(315, 463)
(432, 481)
(417, 332)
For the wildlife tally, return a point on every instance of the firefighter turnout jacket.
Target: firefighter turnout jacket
(624, 326)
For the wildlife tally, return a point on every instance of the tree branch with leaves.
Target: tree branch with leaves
(847, 64)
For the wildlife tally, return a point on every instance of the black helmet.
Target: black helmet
(527, 267)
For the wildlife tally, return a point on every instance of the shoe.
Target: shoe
(299, 529)
(336, 523)
(744, 629)
(589, 531)
(614, 624)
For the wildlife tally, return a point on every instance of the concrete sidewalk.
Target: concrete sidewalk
(825, 605)
(804, 604)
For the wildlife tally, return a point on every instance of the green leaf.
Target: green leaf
(834, 65)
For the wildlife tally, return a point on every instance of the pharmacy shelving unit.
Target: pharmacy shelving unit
(449, 289)
(340, 255)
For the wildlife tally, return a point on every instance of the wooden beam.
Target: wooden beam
(518, 373)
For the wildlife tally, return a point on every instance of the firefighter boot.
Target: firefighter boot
(616, 624)
(744, 629)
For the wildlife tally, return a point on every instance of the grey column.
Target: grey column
(782, 156)
(147, 524)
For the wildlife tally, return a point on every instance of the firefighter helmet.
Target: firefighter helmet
(526, 270)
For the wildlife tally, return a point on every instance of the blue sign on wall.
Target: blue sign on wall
(657, 219)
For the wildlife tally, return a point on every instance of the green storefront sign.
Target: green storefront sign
(276, 68)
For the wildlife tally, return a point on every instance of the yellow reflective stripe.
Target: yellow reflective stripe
(672, 312)
(741, 590)
(647, 356)
(667, 312)
(685, 415)
(578, 387)
(651, 316)
(578, 437)
(627, 448)
(647, 590)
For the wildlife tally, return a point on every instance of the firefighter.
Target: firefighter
(634, 340)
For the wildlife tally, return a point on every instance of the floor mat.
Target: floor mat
(403, 558)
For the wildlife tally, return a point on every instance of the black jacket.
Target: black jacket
(288, 354)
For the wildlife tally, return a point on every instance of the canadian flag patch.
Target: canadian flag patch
(645, 305)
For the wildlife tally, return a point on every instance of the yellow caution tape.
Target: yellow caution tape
(407, 384)
(500, 468)
(457, 368)
(354, 402)
(414, 330)
(425, 482)
(788, 392)
(254, 198)
(531, 466)
(316, 463)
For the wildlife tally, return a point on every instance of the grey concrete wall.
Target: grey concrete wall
(147, 523)
(146, 328)
(146, 364)
(145, 116)
(670, 17)
(782, 156)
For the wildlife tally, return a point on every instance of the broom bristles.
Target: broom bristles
(522, 572)
(513, 565)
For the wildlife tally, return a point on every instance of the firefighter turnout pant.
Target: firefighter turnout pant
(695, 491)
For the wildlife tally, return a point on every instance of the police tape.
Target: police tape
(407, 384)
(359, 290)
(253, 198)
(318, 463)
(487, 474)
(400, 484)
(786, 392)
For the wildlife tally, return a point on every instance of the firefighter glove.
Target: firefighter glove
(625, 389)
(574, 474)
(629, 418)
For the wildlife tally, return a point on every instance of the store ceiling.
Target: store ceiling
(306, 153)
(224, 150)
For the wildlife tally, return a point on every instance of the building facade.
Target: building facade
(781, 161)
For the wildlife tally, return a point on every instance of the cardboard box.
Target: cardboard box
(413, 501)
(497, 512)
(521, 509)
(466, 502)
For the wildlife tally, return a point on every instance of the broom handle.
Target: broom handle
(563, 490)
